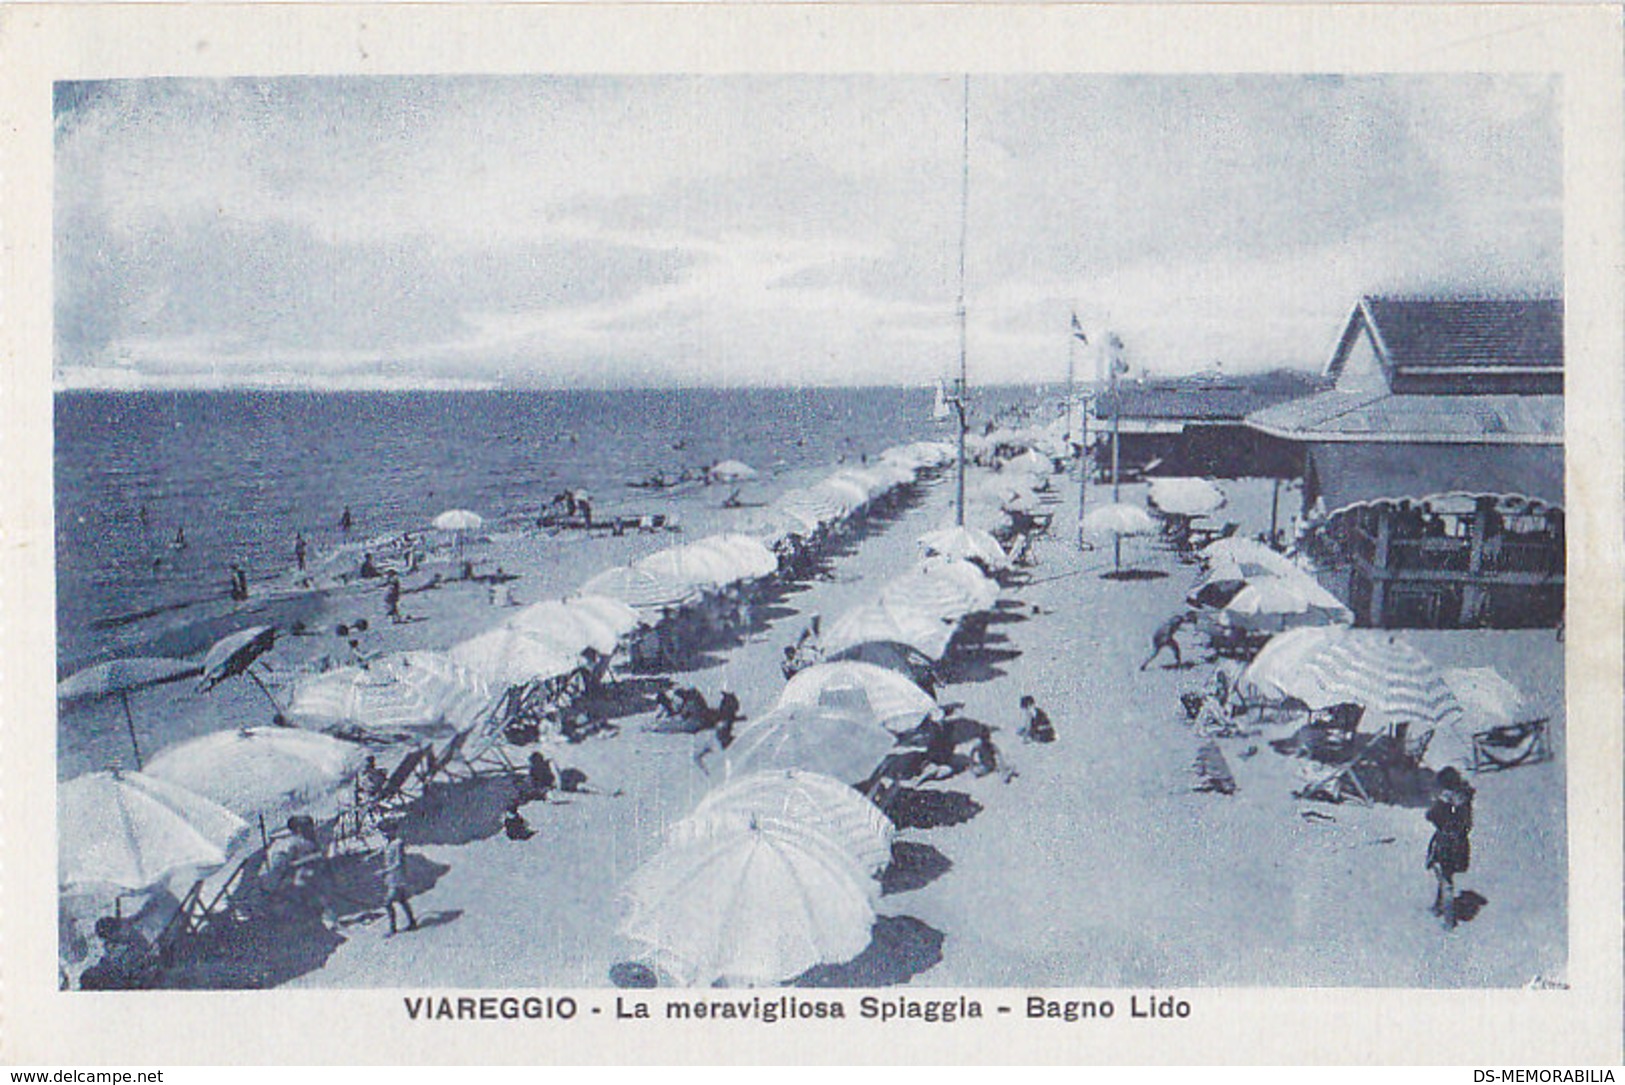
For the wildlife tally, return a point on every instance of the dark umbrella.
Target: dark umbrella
(235, 655)
(120, 677)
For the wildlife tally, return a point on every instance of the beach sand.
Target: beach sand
(1097, 865)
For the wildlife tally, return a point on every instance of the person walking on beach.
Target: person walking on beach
(392, 599)
(346, 521)
(239, 583)
(394, 874)
(299, 550)
(1166, 637)
(1449, 852)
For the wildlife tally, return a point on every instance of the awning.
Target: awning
(1350, 474)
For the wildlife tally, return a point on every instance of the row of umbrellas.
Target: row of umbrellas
(775, 870)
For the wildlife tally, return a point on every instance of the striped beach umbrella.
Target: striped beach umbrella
(1383, 672)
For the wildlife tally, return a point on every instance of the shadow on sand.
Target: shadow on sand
(901, 948)
(913, 866)
(461, 812)
(915, 808)
(978, 664)
(1133, 574)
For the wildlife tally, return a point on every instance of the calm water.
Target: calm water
(241, 472)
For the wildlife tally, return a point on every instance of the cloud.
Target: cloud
(602, 230)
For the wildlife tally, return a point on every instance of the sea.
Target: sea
(238, 474)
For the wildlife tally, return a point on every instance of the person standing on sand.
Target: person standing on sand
(346, 521)
(392, 599)
(1449, 851)
(299, 550)
(1166, 637)
(394, 874)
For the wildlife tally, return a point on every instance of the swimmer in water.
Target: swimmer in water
(180, 538)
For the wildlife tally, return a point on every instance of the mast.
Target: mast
(964, 217)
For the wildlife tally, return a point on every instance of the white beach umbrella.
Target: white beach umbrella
(748, 558)
(640, 588)
(459, 520)
(1241, 558)
(889, 621)
(981, 589)
(814, 507)
(1118, 520)
(732, 471)
(407, 692)
(758, 904)
(1488, 697)
(1185, 496)
(840, 742)
(570, 629)
(969, 543)
(848, 495)
(1273, 603)
(937, 597)
(506, 657)
(132, 831)
(800, 798)
(894, 701)
(613, 614)
(699, 567)
(265, 771)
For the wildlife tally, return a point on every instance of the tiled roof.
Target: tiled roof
(1469, 332)
(1449, 419)
(1190, 402)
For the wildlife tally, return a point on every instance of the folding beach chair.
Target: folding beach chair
(1512, 745)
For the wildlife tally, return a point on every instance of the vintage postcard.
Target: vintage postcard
(599, 533)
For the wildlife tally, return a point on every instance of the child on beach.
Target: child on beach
(1038, 727)
(393, 854)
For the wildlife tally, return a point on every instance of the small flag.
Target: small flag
(1077, 330)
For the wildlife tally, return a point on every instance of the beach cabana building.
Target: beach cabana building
(1192, 426)
(1433, 468)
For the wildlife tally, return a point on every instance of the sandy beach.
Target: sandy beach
(1096, 865)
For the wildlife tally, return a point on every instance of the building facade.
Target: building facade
(1433, 469)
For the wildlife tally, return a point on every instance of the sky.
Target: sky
(655, 231)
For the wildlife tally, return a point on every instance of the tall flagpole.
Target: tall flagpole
(964, 217)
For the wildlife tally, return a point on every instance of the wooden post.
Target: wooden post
(1379, 572)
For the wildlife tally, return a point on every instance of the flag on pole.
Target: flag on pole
(1119, 363)
(1077, 331)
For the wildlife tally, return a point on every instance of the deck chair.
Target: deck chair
(1511, 745)
(1343, 782)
